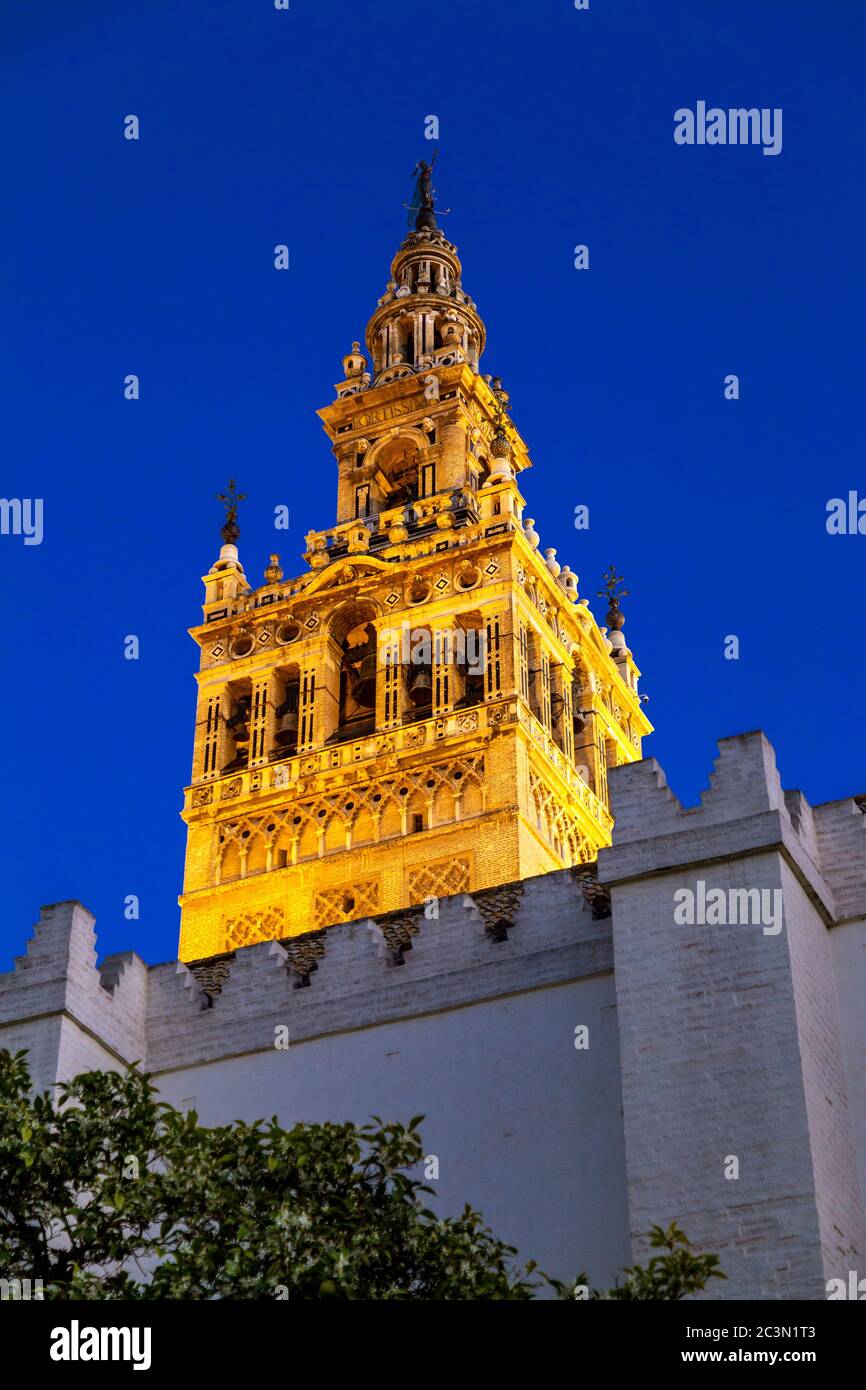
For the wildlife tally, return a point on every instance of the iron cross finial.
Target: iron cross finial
(613, 593)
(230, 499)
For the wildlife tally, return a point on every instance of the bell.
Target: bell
(421, 689)
(579, 721)
(238, 723)
(288, 730)
(364, 682)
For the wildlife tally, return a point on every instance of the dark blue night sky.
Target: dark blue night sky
(261, 127)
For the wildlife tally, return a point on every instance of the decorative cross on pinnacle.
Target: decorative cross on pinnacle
(230, 499)
(613, 594)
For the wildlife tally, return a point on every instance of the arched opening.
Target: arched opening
(288, 697)
(406, 341)
(257, 854)
(308, 840)
(358, 682)
(282, 852)
(399, 463)
(539, 678)
(391, 823)
(351, 673)
(471, 658)
(581, 717)
(335, 834)
(355, 680)
(419, 675)
(230, 864)
(238, 727)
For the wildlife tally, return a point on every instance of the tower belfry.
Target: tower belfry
(429, 708)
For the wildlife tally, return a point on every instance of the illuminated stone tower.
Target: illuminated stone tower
(429, 708)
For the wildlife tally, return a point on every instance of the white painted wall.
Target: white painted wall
(848, 945)
(40, 1038)
(526, 1128)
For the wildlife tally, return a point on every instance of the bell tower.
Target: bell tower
(429, 707)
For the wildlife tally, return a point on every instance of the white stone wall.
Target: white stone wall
(848, 942)
(731, 1037)
(707, 1043)
(525, 1127)
(825, 1083)
(40, 1038)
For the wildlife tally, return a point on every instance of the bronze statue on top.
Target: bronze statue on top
(423, 202)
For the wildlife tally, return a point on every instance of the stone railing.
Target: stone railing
(288, 772)
(395, 525)
(383, 743)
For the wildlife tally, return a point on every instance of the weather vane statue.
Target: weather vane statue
(423, 203)
(423, 175)
(230, 498)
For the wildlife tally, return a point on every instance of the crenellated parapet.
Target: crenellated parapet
(739, 933)
(449, 951)
(70, 1013)
(746, 810)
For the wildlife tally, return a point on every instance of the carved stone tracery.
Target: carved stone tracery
(346, 806)
(559, 826)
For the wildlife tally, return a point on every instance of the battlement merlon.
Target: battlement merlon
(744, 811)
(483, 945)
(81, 1014)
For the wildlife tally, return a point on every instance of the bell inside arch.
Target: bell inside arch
(364, 682)
(239, 721)
(287, 733)
(421, 689)
(287, 714)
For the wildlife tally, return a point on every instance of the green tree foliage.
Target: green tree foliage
(677, 1272)
(106, 1192)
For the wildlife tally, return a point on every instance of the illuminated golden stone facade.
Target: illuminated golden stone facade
(429, 708)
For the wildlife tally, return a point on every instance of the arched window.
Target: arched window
(238, 727)
(399, 463)
(288, 698)
(358, 671)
